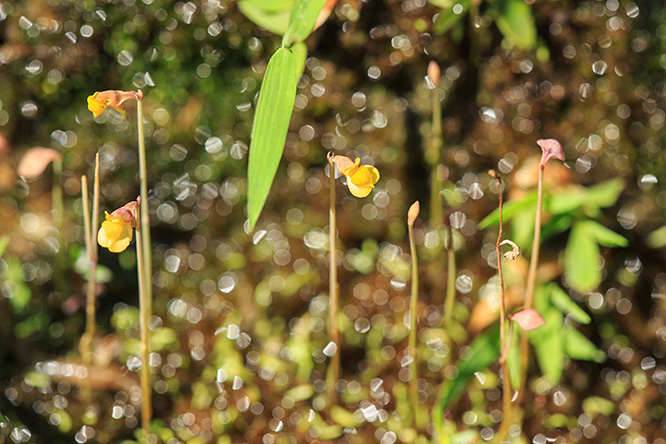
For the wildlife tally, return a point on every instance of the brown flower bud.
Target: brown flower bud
(413, 213)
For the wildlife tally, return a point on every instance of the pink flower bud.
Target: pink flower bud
(528, 319)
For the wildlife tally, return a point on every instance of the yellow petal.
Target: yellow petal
(115, 234)
(359, 191)
(120, 245)
(95, 105)
(374, 172)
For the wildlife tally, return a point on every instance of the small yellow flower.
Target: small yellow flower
(100, 101)
(115, 234)
(361, 179)
(116, 231)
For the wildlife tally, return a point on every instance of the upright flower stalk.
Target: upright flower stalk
(145, 302)
(333, 331)
(450, 278)
(550, 148)
(91, 249)
(361, 179)
(434, 147)
(412, 214)
(145, 212)
(116, 234)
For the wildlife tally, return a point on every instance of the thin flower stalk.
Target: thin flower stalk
(144, 213)
(334, 372)
(504, 345)
(434, 147)
(144, 303)
(413, 307)
(91, 249)
(550, 148)
(450, 278)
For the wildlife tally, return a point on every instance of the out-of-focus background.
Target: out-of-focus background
(239, 318)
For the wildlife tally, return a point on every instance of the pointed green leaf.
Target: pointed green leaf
(579, 347)
(565, 201)
(549, 345)
(657, 239)
(303, 18)
(485, 349)
(300, 51)
(556, 225)
(513, 360)
(566, 305)
(509, 210)
(605, 236)
(581, 259)
(516, 23)
(604, 194)
(271, 123)
(270, 14)
(449, 17)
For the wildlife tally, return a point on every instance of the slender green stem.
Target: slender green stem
(145, 214)
(413, 327)
(432, 157)
(334, 333)
(504, 347)
(450, 279)
(60, 279)
(91, 248)
(531, 285)
(144, 303)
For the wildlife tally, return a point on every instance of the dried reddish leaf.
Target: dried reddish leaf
(36, 160)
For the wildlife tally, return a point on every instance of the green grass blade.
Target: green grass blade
(271, 123)
(302, 21)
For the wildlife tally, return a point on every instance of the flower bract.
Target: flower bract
(550, 148)
(361, 179)
(100, 101)
(115, 233)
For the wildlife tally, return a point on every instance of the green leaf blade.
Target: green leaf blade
(579, 347)
(516, 23)
(605, 193)
(485, 350)
(303, 18)
(605, 236)
(271, 123)
(566, 305)
(582, 260)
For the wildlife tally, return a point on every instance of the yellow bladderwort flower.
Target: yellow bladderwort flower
(100, 101)
(361, 179)
(116, 231)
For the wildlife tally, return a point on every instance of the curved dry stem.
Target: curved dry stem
(504, 346)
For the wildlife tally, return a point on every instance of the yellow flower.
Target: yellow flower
(115, 234)
(100, 101)
(361, 179)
